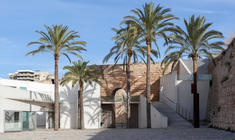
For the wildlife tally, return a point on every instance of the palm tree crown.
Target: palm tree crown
(195, 42)
(79, 71)
(128, 44)
(59, 40)
(152, 22)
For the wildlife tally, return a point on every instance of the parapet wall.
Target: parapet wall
(221, 103)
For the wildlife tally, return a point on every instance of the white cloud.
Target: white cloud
(219, 1)
(202, 11)
(6, 43)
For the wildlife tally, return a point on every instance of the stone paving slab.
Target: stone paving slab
(123, 134)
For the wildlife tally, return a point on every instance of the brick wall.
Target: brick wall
(221, 101)
(116, 78)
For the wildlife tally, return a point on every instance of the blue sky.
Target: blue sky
(93, 19)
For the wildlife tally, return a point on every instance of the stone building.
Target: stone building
(221, 102)
(115, 78)
(113, 91)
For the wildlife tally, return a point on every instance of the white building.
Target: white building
(29, 75)
(28, 105)
(175, 88)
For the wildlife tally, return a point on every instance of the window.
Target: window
(23, 88)
(16, 116)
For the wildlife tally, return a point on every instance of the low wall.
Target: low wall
(158, 120)
(142, 112)
(168, 89)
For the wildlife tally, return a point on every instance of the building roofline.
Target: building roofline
(182, 62)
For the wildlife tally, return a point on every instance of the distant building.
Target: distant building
(29, 75)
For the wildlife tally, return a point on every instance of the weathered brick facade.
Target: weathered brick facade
(221, 101)
(113, 79)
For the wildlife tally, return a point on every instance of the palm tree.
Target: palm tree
(197, 41)
(80, 73)
(128, 47)
(58, 40)
(152, 22)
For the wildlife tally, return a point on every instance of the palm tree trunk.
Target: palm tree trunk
(128, 87)
(79, 110)
(81, 105)
(56, 95)
(195, 95)
(148, 84)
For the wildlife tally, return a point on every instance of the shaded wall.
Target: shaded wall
(221, 103)
(168, 92)
(116, 78)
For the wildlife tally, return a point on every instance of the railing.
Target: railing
(184, 113)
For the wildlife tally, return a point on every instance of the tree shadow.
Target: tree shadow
(115, 78)
(69, 106)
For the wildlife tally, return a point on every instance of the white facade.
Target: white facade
(31, 91)
(69, 106)
(175, 89)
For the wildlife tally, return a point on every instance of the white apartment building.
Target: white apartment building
(29, 75)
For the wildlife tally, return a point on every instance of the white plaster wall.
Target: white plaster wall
(92, 106)
(183, 69)
(2, 117)
(31, 86)
(69, 106)
(185, 98)
(7, 104)
(158, 120)
(176, 92)
(142, 121)
(168, 89)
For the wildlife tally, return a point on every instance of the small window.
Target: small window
(23, 88)
(16, 116)
(210, 83)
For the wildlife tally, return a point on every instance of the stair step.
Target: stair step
(174, 120)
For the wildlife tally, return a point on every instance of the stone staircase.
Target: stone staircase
(174, 120)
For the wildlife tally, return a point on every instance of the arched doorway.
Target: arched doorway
(120, 109)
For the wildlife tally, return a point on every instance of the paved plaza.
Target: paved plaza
(123, 134)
